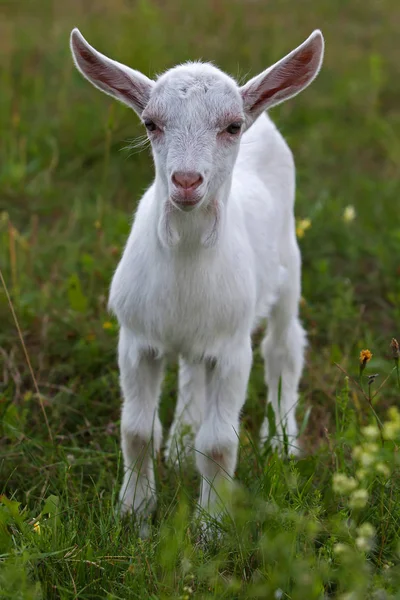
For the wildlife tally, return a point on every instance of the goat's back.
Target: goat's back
(263, 191)
(265, 155)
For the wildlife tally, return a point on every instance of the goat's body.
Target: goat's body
(191, 300)
(202, 303)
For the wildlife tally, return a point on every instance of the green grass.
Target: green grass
(67, 193)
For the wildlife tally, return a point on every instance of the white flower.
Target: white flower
(343, 484)
(357, 452)
(390, 430)
(361, 474)
(364, 544)
(371, 432)
(371, 447)
(358, 499)
(367, 459)
(366, 530)
(340, 548)
(349, 214)
(382, 469)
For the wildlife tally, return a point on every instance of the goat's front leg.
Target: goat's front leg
(141, 431)
(217, 440)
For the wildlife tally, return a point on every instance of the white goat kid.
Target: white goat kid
(212, 252)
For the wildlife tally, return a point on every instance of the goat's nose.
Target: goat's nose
(188, 180)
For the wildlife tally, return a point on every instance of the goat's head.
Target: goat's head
(195, 114)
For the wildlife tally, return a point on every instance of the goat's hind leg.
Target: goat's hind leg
(283, 352)
(189, 412)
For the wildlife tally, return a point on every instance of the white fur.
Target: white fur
(196, 284)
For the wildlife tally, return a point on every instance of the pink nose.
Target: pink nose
(188, 180)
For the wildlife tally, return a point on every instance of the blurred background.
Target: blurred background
(69, 183)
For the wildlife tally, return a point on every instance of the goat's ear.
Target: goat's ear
(131, 87)
(285, 78)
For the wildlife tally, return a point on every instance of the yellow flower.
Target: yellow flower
(97, 224)
(302, 226)
(28, 395)
(107, 325)
(394, 414)
(36, 527)
(4, 217)
(365, 356)
(349, 214)
(90, 337)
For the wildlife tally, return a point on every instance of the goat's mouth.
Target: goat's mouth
(186, 203)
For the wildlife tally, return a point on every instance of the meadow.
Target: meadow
(323, 526)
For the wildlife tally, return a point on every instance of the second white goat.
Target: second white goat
(212, 252)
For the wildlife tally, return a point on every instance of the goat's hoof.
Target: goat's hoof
(285, 443)
(142, 522)
(209, 525)
(277, 445)
(210, 531)
(144, 528)
(123, 509)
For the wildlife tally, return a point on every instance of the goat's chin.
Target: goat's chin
(168, 226)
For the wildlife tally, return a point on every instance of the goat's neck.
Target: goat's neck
(200, 228)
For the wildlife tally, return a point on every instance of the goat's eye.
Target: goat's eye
(234, 128)
(150, 125)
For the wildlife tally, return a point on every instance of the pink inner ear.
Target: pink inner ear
(109, 76)
(285, 78)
